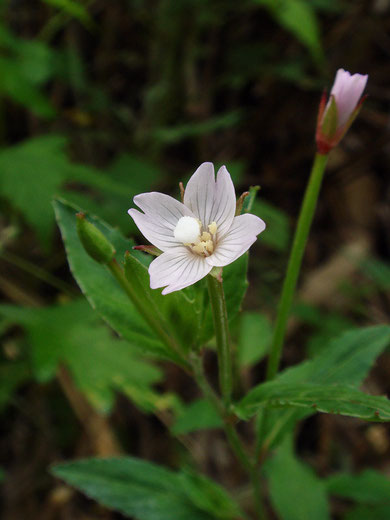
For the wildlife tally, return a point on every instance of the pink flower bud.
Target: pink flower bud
(337, 115)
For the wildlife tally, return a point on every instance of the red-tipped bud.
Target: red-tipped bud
(336, 116)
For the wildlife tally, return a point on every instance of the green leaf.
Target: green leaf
(176, 310)
(101, 289)
(296, 492)
(368, 487)
(254, 338)
(74, 335)
(198, 415)
(147, 491)
(298, 17)
(334, 399)
(277, 233)
(235, 284)
(346, 360)
(15, 85)
(73, 8)
(33, 167)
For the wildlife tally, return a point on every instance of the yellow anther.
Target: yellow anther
(209, 246)
(213, 228)
(205, 236)
(199, 248)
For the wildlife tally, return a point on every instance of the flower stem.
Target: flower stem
(221, 326)
(295, 261)
(230, 432)
(152, 320)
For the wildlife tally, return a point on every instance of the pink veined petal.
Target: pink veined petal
(224, 203)
(161, 214)
(347, 91)
(237, 240)
(176, 269)
(152, 229)
(199, 192)
(210, 200)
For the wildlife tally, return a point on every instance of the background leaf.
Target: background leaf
(296, 492)
(146, 491)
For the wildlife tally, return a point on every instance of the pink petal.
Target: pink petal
(238, 239)
(176, 269)
(156, 233)
(211, 201)
(162, 213)
(347, 90)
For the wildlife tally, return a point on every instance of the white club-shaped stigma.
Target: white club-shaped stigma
(187, 230)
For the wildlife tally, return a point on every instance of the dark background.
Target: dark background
(100, 100)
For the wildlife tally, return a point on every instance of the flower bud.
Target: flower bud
(337, 115)
(93, 240)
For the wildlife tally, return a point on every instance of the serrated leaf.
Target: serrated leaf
(146, 491)
(72, 334)
(347, 360)
(334, 399)
(198, 415)
(296, 492)
(101, 289)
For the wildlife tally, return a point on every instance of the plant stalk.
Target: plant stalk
(294, 265)
(221, 327)
(146, 313)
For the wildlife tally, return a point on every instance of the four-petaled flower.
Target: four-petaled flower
(197, 235)
(337, 115)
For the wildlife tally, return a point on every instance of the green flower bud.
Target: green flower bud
(93, 240)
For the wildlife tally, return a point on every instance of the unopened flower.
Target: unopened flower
(337, 115)
(198, 234)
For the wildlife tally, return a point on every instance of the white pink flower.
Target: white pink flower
(197, 235)
(337, 115)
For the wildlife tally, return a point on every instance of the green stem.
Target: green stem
(230, 432)
(153, 321)
(295, 261)
(221, 326)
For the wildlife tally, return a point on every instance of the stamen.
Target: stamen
(213, 228)
(205, 236)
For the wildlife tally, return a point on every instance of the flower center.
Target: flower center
(189, 231)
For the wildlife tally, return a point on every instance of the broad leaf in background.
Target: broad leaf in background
(347, 360)
(146, 491)
(101, 289)
(334, 399)
(296, 492)
(298, 17)
(72, 334)
(255, 335)
(41, 166)
(198, 415)
(368, 487)
(277, 233)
